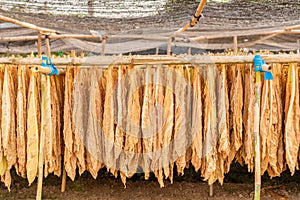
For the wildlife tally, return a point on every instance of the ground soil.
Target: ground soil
(238, 185)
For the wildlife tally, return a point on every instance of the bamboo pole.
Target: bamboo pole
(147, 37)
(77, 36)
(194, 19)
(228, 35)
(81, 36)
(161, 59)
(292, 27)
(143, 37)
(260, 40)
(18, 38)
(29, 38)
(39, 45)
(27, 25)
(257, 135)
(235, 45)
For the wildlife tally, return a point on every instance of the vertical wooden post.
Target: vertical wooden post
(257, 135)
(39, 44)
(42, 141)
(42, 136)
(298, 44)
(48, 49)
(157, 51)
(189, 51)
(103, 46)
(235, 45)
(211, 190)
(64, 180)
(169, 48)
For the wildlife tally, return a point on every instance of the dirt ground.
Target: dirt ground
(238, 185)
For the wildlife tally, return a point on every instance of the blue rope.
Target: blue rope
(258, 64)
(47, 62)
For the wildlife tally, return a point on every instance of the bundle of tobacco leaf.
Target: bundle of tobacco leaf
(21, 121)
(147, 118)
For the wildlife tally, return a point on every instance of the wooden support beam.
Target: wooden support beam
(18, 38)
(194, 19)
(249, 44)
(228, 35)
(77, 36)
(30, 38)
(144, 37)
(292, 27)
(27, 25)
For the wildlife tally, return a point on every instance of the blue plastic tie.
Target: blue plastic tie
(258, 64)
(47, 62)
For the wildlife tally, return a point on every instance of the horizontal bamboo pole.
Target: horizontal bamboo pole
(29, 38)
(17, 39)
(292, 27)
(77, 36)
(249, 44)
(144, 37)
(27, 25)
(211, 37)
(143, 60)
(80, 36)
